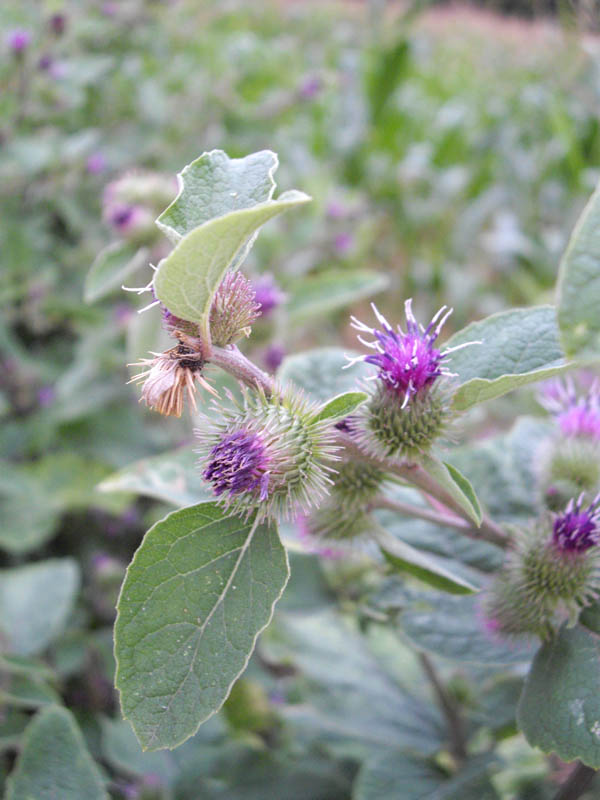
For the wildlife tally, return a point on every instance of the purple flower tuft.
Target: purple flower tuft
(408, 363)
(18, 40)
(310, 87)
(343, 242)
(96, 163)
(577, 529)
(273, 356)
(239, 463)
(268, 294)
(58, 23)
(576, 416)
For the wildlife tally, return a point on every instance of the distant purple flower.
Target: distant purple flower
(45, 62)
(239, 463)
(577, 529)
(46, 396)
(343, 242)
(576, 416)
(122, 313)
(310, 87)
(110, 9)
(273, 356)
(96, 163)
(268, 294)
(18, 40)
(408, 363)
(335, 210)
(58, 23)
(129, 219)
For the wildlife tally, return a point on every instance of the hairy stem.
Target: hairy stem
(448, 707)
(449, 520)
(231, 360)
(576, 784)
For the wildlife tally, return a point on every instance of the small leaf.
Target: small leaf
(201, 587)
(24, 692)
(404, 557)
(457, 486)
(452, 627)
(186, 280)
(331, 290)
(559, 709)
(320, 372)
(111, 267)
(35, 602)
(55, 762)
(341, 406)
(213, 185)
(172, 477)
(517, 347)
(578, 288)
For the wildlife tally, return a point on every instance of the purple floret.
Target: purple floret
(576, 529)
(239, 463)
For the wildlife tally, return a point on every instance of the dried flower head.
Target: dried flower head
(234, 309)
(409, 407)
(267, 454)
(171, 374)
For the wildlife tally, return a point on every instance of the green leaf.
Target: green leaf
(55, 762)
(186, 280)
(518, 347)
(111, 267)
(331, 290)
(341, 406)
(452, 627)
(122, 751)
(457, 486)
(23, 692)
(565, 671)
(213, 185)
(35, 602)
(28, 515)
(321, 372)
(578, 288)
(20, 665)
(392, 775)
(172, 477)
(404, 557)
(200, 589)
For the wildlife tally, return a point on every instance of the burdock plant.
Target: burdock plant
(361, 453)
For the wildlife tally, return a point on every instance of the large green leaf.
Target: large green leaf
(517, 347)
(54, 762)
(331, 290)
(394, 775)
(453, 627)
(578, 289)
(199, 590)
(186, 280)
(111, 267)
(320, 372)
(35, 602)
(213, 185)
(172, 477)
(560, 705)
(408, 559)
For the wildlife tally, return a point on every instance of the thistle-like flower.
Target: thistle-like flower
(267, 454)
(576, 415)
(168, 376)
(234, 309)
(552, 572)
(408, 409)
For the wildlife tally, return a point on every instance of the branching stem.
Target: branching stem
(576, 784)
(448, 708)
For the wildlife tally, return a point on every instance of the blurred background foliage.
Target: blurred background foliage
(448, 149)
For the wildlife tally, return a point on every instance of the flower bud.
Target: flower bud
(267, 454)
(234, 309)
(409, 407)
(553, 570)
(569, 466)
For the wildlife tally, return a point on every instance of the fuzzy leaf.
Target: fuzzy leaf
(25, 692)
(213, 185)
(392, 775)
(452, 627)
(35, 602)
(201, 587)
(518, 347)
(455, 484)
(578, 288)
(110, 268)
(406, 558)
(341, 406)
(186, 280)
(331, 290)
(55, 762)
(559, 709)
(321, 372)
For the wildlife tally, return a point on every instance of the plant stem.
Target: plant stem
(450, 521)
(449, 709)
(235, 363)
(577, 782)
